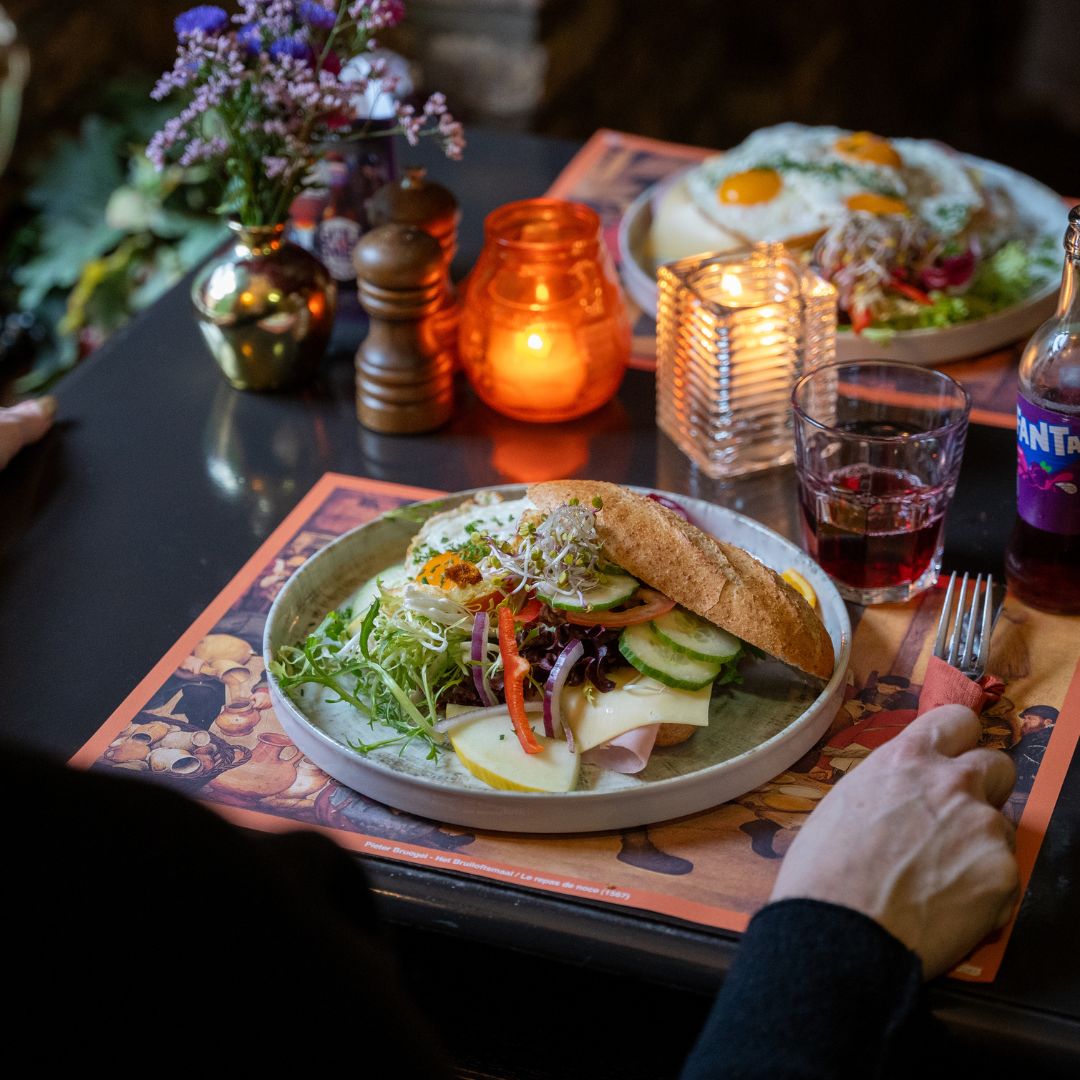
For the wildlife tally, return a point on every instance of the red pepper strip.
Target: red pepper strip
(860, 320)
(655, 604)
(910, 291)
(515, 668)
(529, 611)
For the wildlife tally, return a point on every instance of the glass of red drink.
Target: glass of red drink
(877, 449)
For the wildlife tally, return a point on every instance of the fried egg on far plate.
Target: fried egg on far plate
(940, 188)
(790, 183)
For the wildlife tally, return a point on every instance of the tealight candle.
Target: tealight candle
(734, 334)
(544, 333)
(539, 364)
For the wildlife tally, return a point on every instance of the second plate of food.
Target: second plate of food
(1028, 226)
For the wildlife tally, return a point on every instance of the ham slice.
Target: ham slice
(627, 753)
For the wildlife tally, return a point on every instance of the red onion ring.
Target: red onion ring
(553, 689)
(670, 504)
(479, 659)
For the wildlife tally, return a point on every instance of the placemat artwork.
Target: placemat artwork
(201, 721)
(613, 168)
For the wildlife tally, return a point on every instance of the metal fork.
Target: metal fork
(968, 646)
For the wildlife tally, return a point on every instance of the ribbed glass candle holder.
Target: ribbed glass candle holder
(734, 334)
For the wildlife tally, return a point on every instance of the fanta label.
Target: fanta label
(1047, 468)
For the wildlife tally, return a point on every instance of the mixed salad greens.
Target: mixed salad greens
(893, 273)
(502, 623)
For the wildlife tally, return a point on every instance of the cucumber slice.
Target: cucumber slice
(653, 656)
(688, 633)
(610, 591)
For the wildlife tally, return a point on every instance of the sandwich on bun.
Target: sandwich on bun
(584, 622)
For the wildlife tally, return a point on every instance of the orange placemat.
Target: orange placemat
(613, 168)
(714, 869)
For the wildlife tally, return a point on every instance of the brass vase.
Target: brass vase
(265, 307)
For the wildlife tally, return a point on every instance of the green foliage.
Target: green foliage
(396, 669)
(107, 234)
(1010, 276)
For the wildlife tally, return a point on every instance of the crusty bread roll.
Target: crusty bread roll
(673, 734)
(716, 580)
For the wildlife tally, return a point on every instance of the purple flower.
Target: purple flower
(290, 46)
(205, 19)
(256, 73)
(275, 165)
(316, 16)
(249, 38)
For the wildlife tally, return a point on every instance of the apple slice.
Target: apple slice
(490, 750)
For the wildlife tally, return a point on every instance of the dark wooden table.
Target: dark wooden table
(158, 483)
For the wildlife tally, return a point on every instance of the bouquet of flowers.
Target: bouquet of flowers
(272, 86)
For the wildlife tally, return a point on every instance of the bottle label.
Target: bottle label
(335, 239)
(1047, 468)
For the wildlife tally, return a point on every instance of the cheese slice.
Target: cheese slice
(637, 701)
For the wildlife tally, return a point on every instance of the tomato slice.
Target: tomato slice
(487, 602)
(860, 320)
(655, 604)
(529, 611)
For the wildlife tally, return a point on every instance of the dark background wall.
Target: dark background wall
(1000, 78)
(997, 78)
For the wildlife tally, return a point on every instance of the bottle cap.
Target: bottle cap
(1072, 234)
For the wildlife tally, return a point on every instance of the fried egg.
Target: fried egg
(488, 514)
(940, 187)
(790, 183)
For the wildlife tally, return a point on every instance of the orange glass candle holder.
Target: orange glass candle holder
(544, 331)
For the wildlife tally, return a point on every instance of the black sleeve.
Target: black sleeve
(816, 991)
(149, 929)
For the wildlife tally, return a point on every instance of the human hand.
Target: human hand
(915, 839)
(23, 424)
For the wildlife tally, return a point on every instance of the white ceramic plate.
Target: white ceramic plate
(755, 732)
(1038, 205)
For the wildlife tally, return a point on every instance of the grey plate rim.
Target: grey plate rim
(576, 811)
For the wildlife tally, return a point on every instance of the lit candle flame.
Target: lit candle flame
(538, 363)
(731, 285)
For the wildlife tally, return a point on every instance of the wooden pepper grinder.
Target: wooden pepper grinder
(415, 200)
(404, 372)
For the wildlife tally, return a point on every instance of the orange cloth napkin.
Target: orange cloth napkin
(944, 685)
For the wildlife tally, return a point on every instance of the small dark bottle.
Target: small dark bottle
(1042, 563)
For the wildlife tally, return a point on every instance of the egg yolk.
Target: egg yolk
(877, 204)
(447, 571)
(865, 146)
(750, 187)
